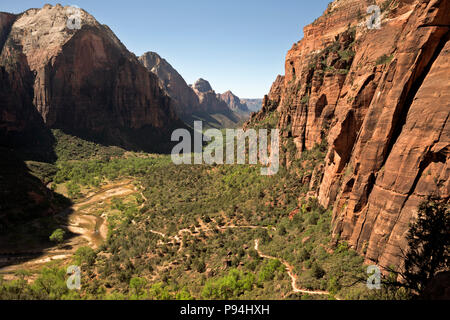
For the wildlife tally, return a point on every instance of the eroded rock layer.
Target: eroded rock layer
(85, 81)
(380, 98)
(185, 100)
(233, 102)
(196, 102)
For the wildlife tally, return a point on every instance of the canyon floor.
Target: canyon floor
(186, 232)
(83, 222)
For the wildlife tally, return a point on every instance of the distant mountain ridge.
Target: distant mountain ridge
(198, 101)
(185, 99)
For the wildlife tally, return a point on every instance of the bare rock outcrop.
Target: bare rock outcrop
(233, 102)
(86, 82)
(380, 98)
(208, 97)
(21, 126)
(215, 111)
(185, 100)
(196, 102)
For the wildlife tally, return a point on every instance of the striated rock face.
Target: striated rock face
(275, 91)
(270, 101)
(233, 102)
(380, 98)
(21, 126)
(185, 100)
(197, 102)
(209, 100)
(203, 86)
(86, 82)
(23, 136)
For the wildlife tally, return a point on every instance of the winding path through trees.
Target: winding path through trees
(289, 268)
(290, 271)
(93, 229)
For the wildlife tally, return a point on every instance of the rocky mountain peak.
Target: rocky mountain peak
(84, 80)
(233, 102)
(185, 100)
(201, 85)
(190, 102)
(43, 32)
(152, 60)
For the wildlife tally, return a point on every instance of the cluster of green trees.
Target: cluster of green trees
(196, 196)
(92, 172)
(231, 286)
(70, 148)
(49, 285)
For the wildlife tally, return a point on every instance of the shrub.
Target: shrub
(137, 285)
(282, 231)
(384, 59)
(305, 99)
(85, 255)
(268, 271)
(57, 236)
(231, 286)
(346, 54)
(317, 271)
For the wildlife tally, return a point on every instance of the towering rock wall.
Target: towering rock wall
(185, 100)
(196, 102)
(21, 126)
(215, 111)
(380, 98)
(23, 136)
(85, 81)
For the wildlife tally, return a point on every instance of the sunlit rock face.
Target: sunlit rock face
(201, 85)
(233, 102)
(208, 97)
(198, 101)
(380, 98)
(85, 81)
(185, 100)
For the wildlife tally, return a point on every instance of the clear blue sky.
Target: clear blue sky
(236, 45)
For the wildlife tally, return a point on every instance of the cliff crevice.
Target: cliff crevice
(379, 97)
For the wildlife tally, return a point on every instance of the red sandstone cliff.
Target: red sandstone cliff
(208, 98)
(233, 102)
(21, 126)
(85, 81)
(217, 112)
(380, 98)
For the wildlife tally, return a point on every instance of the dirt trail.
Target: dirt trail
(89, 229)
(93, 230)
(177, 239)
(290, 271)
(204, 228)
